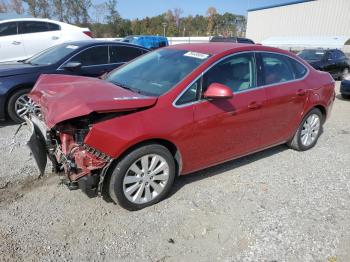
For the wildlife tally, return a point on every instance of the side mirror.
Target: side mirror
(216, 90)
(71, 66)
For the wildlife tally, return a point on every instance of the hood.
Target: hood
(63, 97)
(14, 68)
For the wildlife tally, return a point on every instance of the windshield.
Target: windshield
(157, 72)
(312, 54)
(52, 55)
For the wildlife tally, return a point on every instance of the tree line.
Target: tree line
(105, 21)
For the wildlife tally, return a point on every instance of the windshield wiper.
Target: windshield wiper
(127, 87)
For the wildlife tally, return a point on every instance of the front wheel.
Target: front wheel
(345, 96)
(143, 177)
(308, 132)
(20, 105)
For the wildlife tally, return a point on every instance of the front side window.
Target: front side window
(29, 27)
(122, 54)
(157, 72)
(237, 72)
(7, 29)
(97, 55)
(277, 68)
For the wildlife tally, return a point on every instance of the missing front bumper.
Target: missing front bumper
(37, 146)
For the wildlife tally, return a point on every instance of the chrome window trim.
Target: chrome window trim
(243, 91)
(108, 45)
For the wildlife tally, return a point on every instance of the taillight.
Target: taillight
(88, 33)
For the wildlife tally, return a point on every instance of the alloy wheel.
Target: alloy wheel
(25, 105)
(311, 129)
(146, 178)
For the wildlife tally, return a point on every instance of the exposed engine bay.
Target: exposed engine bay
(82, 165)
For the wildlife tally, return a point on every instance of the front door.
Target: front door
(227, 128)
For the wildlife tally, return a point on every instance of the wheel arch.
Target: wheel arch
(175, 152)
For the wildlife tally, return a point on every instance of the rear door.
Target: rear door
(227, 128)
(286, 96)
(11, 44)
(119, 54)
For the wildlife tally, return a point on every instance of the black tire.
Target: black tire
(11, 111)
(344, 73)
(296, 143)
(345, 96)
(116, 191)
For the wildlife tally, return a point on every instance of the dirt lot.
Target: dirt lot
(276, 205)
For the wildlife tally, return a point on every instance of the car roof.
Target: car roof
(84, 43)
(29, 19)
(215, 48)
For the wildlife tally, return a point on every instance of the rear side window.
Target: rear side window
(54, 27)
(299, 69)
(29, 27)
(122, 54)
(277, 68)
(97, 55)
(7, 29)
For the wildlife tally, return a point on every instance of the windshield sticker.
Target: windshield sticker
(197, 55)
(319, 53)
(71, 46)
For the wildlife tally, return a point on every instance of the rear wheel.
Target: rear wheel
(143, 177)
(308, 132)
(19, 105)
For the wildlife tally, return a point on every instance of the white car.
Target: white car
(22, 38)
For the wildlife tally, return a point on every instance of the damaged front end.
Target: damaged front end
(84, 167)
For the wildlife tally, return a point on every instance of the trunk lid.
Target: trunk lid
(63, 97)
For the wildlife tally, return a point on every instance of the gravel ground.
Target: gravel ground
(276, 205)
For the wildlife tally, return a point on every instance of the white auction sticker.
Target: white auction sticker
(72, 46)
(196, 55)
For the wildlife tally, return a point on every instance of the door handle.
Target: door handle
(254, 105)
(16, 43)
(301, 92)
(55, 38)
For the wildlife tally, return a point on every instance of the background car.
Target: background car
(25, 37)
(174, 111)
(87, 58)
(231, 40)
(148, 41)
(333, 61)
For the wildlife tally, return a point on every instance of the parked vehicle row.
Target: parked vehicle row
(86, 58)
(174, 111)
(23, 38)
(333, 61)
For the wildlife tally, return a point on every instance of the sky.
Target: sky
(133, 9)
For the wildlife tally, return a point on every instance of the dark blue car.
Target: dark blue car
(87, 58)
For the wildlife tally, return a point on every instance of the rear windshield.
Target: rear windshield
(157, 72)
(316, 55)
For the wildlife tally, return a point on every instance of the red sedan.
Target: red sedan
(175, 111)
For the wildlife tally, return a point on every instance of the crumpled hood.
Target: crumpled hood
(63, 97)
(13, 69)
